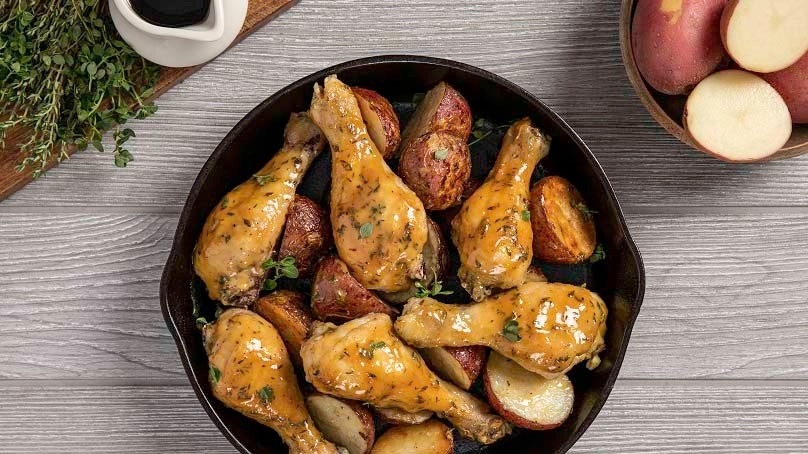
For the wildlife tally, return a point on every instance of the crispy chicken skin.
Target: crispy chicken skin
(492, 232)
(241, 232)
(545, 328)
(364, 360)
(251, 373)
(380, 226)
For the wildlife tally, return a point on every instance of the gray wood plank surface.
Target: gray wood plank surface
(81, 289)
(717, 361)
(566, 52)
(640, 417)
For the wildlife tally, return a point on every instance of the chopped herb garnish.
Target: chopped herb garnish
(365, 230)
(484, 128)
(201, 321)
(598, 255)
(215, 375)
(435, 290)
(441, 154)
(283, 268)
(372, 348)
(266, 394)
(525, 215)
(264, 179)
(583, 208)
(511, 330)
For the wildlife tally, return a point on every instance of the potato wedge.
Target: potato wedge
(563, 227)
(442, 109)
(337, 297)
(345, 423)
(431, 437)
(460, 365)
(380, 119)
(397, 416)
(526, 399)
(307, 235)
(288, 312)
(436, 167)
(436, 264)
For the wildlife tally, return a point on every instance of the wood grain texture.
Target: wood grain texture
(640, 417)
(259, 12)
(566, 52)
(79, 297)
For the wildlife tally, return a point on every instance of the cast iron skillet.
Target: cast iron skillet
(619, 279)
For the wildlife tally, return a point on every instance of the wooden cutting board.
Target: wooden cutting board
(259, 13)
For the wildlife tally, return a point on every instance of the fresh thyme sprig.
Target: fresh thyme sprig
(284, 268)
(66, 78)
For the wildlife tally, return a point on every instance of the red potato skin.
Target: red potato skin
(290, 315)
(677, 43)
(337, 297)
(365, 416)
(373, 103)
(439, 183)
(307, 235)
(792, 84)
(471, 358)
(547, 245)
(451, 114)
(511, 417)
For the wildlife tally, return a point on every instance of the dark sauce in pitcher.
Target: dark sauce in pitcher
(171, 13)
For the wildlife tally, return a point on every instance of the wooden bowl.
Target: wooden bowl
(668, 110)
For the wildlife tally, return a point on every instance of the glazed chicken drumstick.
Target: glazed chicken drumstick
(251, 373)
(241, 232)
(364, 360)
(492, 231)
(380, 226)
(545, 328)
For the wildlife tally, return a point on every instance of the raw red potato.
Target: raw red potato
(460, 365)
(526, 399)
(380, 119)
(765, 36)
(737, 116)
(345, 423)
(677, 43)
(431, 437)
(792, 84)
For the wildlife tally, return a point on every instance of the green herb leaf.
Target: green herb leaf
(266, 394)
(284, 268)
(511, 330)
(270, 285)
(588, 213)
(435, 290)
(264, 179)
(200, 322)
(215, 375)
(598, 255)
(372, 348)
(441, 154)
(365, 230)
(525, 215)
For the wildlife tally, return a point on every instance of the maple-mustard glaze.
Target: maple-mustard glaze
(546, 328)
(240, 234)
(380, 225)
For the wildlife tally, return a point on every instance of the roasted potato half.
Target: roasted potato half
(436, 264)
(288, 312)
(526, 399)
(563, 225)
(436, 167)
(431, 437)
(460, 365)
(337, 297)
(442, 109)
(380, 119)
(307, 235)
(345, 423)
(397, 416)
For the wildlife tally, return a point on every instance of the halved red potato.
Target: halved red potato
(397, 416)
(307, 235)
(442, 109)
(436, 167)
(792, 84)
(288, 312)
(431, 437)
(460, 365)
(563, 225)
(337, 297)
(345, 423)
(526, 399)
(380, 119)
